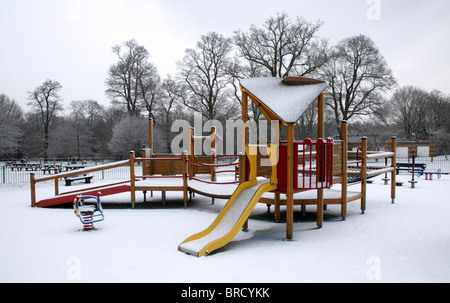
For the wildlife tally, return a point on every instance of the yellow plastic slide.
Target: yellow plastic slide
(229, 221)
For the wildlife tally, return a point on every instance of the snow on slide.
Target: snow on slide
(229, 221)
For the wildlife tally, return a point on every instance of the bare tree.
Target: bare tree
(46, 102)
(10, 132)
(283, 46)
(170, 101)
(133, 80)
(131, 133)
(422, 115)
(84, 115)
(357, 75)
(408, 106)
(204, 71)
(239, 70)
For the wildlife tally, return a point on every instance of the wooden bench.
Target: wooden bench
(86, 178)
(408, 167)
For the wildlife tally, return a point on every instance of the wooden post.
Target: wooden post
(150, 133)
(320, 117)
(56, 183)
(144, 163)
(320, 208)
(363, 173)
(242, 168)
(244, 142)
(244, 118)
(213, 153)
(191, 153)
(290, 182)
(33, 190)
(277, 207)
(344, 137)
(132, 179)
(185, 187)
(393, 165)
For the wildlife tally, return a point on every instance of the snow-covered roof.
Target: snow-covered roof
(286, 98)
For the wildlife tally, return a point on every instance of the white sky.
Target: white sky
(70, 40)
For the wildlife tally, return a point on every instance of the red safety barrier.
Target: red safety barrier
(212, 182)
(313, 166)
(157, 159)
(212, 165)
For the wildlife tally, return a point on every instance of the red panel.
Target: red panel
(282, 168)
(69, 198)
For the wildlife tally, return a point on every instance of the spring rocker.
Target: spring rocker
(88, 213)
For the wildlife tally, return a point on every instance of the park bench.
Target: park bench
(86, 178)
(418, 167)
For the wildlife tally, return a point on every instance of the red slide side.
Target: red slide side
(69, 197)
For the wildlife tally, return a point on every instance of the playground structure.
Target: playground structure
(300, 172)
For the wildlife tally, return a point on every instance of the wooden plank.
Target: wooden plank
(132, 178)
(363, 173)
(87, 192)
(84, 171)
(393, 165)
(380, 155)
(344, 197)
(159, 188)
(376, 172)
(290, 182)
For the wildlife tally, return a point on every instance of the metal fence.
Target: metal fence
(433, 164)
(21, 173)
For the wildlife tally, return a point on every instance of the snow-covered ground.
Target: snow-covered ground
(405, 242)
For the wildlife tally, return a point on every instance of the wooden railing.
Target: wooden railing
(57, 176)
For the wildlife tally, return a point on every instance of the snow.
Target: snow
(407, 241)
(288, 102)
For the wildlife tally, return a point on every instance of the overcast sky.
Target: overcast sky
(70, 40)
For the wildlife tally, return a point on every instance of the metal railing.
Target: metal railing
(21, 173)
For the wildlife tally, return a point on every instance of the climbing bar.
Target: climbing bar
(225, 156)
(212, 165)
(225, 171)
(211, 182)
(159, 177)
(380, 155)
(157, 159)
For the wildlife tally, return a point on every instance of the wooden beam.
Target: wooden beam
(185, 183)
(320, 116)
(150, 134)
(320, 208)
(33, 190)
(344, 137)
(244, 142)
(290, 183)
(56, 183)
(393, 165)
(244, 119)
(363, 173)
(132, 180)
(213, 154)
(277, 207)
